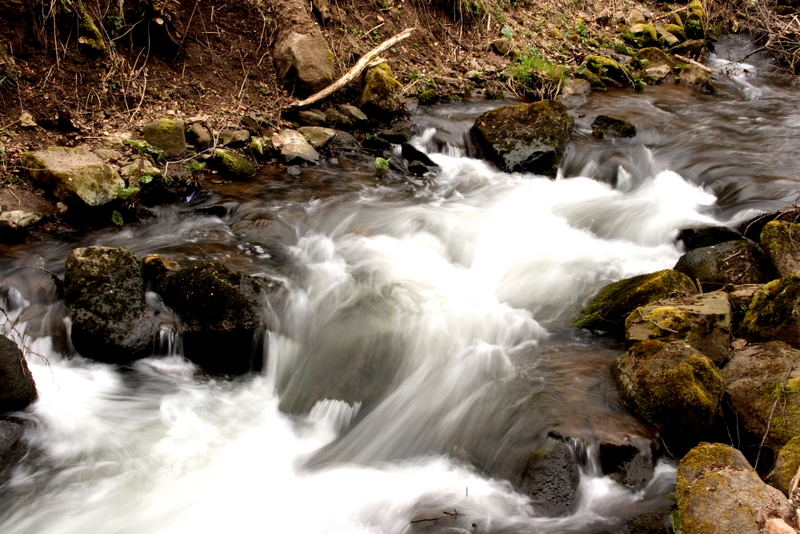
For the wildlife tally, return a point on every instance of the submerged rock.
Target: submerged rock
(608, 309)
(707, 236)
(381, 93)
(672, 386)
(760, 379)
(720, 493)
(74, 175)
(524, 137)
(774, 312)
(551, 479)
(104, 290)
(168, 136)
(781, 242)
(731, 262)
(220, 313)
(605, 125)
(702, 321)
(17, 389)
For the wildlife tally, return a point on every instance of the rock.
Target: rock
(502, 46)
(657, 74)
(753, 228)
(655, 57)
(759, 379)
(731, 262)
(551, 479)
(232, 165)
(575, 92)
(260, 148)
(343, 141)
(692, 47)
(381, 93)
(336, 119)
(256, 125)
(642, 35)
(200, 136)
(155, 269)
(15, 221)
(400, 132)
(74, 175)
(605, 125)
(234, 137)
(167, 135)
(17, 389)
(777, 525)
(293, 147)
(108, 154)
(606, 71)
(311, 117)
(707, 236)
(698, 78)
(417, 168)
(695, 22)
(526, 138)
(774, 312)
(719, 493)
(786, 466)
(358, 117)
(666, 37)
(220, 313)
(90, 40)
(139, 167)
(672, 386)
(702, 321)
(376, 143)
(607, 310)
(781, 242)
(627, 459)
(411, 153)
(303, 62)
(104, 290)
(317, 136)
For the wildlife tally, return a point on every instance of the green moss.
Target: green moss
(786, 466)
(641, 35)
(90, 40)
(609, 71)
(428, 96)
(381, 93)
(676, 30)
(774, 311)
(608, 309)
(231, 165)
(167, 135)
(695, 20)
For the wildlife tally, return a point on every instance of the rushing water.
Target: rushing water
(424, 342)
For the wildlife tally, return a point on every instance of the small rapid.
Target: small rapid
(423, 345)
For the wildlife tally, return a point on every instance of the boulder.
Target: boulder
(317, 136)
(523, 137)
(707, 236)
(719, 493)
(605, 72)
(672, 386)
(781, 242)
(303, 61)
(551, 479)
(104, 290)
(605, 125)
(234, 137)
(774, 312)
(703, 321)
(74, 175)
(381, 93)
(642, 35)
(608, 309)
(16, 221)
(168, 136)
(698, 78)
(763, 383)
(199, 136)
(292, 146)
(658, 74)
(786, 466)
(17, 389)
(753, 228)
(231, 165)
(220, 313)
(731, 262)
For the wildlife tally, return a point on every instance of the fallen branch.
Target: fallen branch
(693, 62)
(354, 72)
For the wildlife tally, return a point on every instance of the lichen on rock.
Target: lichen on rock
(231, 165)
(168, 136)
(774, 312)
(381, 93)
(781, 242)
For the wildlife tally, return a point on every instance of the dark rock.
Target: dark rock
(752, 229)
(17, 389)
(12, 446)
(781, 242)
(255, 124)
(167, 135)
(234, 137)
(731, 262)
(376, 142)
(303, 62)
(199, 136)
(104, 290)
(720, 493)
(381, 93)
(707, 236)
(220, 313)
(702, 321)
(628, 459)
(524, 137)
(417, 168)
(605, 125)
(336, 119)
(343, 141)
(311, 117)
(155, 269)
(774, 312)
(763, 383)
(400, 132)
(551, 479)
(672, 386)
(358, 117)
(691, 47)
(412, 154)
(608, 309)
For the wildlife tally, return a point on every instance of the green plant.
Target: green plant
(532, 74)
(143, 148)
(382, 164)
(196, 166)
(116, 218)
(127, 192)
(146, 178)
(507, 32)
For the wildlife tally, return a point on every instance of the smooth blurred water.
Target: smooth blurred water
(423, 344)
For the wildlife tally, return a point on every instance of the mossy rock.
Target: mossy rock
(718, 492)
(381, 93)
(607, 310)
(786, 466)
(774, 312)
(232, 165)
(524, 137)
(781, 242)
(90, 40)
(641, 35)
(610, 72)
(656, 57)
(702, 321)
(672, 386)
(677, 30)
(167, 135)
(608, 126)
(732, 262)
(763, 383)
(695, 22)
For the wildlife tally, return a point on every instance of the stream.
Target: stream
(424, 345)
